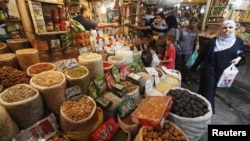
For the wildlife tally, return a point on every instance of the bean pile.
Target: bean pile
(10, 76)
(18, 93)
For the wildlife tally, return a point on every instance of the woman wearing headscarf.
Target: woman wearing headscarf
(220, 52)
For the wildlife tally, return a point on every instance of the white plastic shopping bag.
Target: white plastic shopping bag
(228, 76)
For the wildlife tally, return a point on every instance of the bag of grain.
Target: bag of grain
(8, 59)
(23, 103)
(76, 114)
(92, 62)
(8, 127)
(195, 112)
(78, 76)
(4, 48)
(27, 57)
(51, 85)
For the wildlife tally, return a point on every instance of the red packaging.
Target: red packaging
(124, 71)
(106, 131)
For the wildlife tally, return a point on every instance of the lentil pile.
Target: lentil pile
(18, 93)
(38, 68)
(79, 109)
(76, 72)
(48, 79)
(10, 76)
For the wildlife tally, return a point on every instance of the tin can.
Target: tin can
(56, 26)
(55, 15)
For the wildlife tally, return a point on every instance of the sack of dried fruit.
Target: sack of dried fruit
(51, 85)
(23, 103)
(190, 111)
(76, 114)
(8, 127)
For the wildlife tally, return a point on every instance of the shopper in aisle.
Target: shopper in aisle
(169, 58)
(158, 28)
(150, 58)
(173, 29)
(217, 55)
(189, 41)
(84, 19)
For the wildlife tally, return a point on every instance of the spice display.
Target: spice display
(78, 76)
(40, 67)
(130, 87)
(8, 59)
(27, 57)
(79, 109)
(58, 137)
(93, 62)
(76, 72)
(10, 76)
(23, 103)
(18, 93)
(3, 48)
(127, 54)
(172, 80)
(117, 60)
(47, 79)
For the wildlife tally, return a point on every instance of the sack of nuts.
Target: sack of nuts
(76, 114)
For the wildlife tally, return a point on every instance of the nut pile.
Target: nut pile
(18, 93)
(78, 109)
(169, 132)
(10, 76)
(57, 137)
(186, 104)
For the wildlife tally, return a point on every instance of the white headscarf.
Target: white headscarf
(224, 42)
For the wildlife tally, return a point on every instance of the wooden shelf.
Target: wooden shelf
(68, 2)
(50, 33)
(50, 2)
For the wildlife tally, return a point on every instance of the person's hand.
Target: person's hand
(116, 24)
(236, 60)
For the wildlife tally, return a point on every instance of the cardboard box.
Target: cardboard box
(153, 111)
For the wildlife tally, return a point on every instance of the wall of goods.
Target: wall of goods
(229, 9)
(79, 85)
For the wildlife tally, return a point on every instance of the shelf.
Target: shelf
(68, 2)
(14, 20)
(50, 2)
(216, 17)
(51, 33)
(218, 6)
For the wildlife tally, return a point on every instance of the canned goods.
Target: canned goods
(55, 15)
(56, 26)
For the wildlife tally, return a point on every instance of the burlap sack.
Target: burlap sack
(193, 127)
(8, 127)
(69, 125)
(51, 85)
(26, 111)
(40, 67)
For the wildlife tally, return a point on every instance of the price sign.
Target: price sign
(157, 79)
(73, 92)
(83, 50)
(71, 63)
(60, 65)
(148, 86)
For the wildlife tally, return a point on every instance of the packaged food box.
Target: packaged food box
(153, 111)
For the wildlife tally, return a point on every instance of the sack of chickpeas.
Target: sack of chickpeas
(23, 103)
(76, 114)
(8, 127)
(51, 85)
(169, 132)
(190, 111)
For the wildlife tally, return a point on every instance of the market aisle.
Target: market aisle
(232, 106)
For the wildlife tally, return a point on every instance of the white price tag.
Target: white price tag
(73, 92)
(167, 71)
(60, 65)
(148, 86)
(83, 50)
(106, 41)
(151, 71)
(71, 63)
(100, 32)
